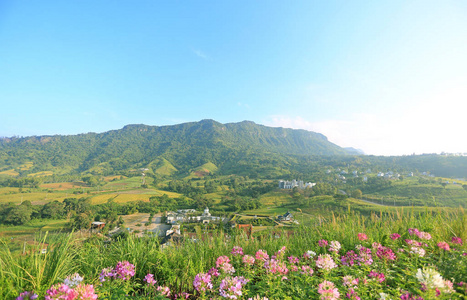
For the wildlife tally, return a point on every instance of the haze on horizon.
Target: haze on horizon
(387, 77)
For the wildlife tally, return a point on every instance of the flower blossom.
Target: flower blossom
(325, 262)
(385, 253)
(362, 236)
(124, 270)
(150, 279)
(231, 287)
(418, 251)
(430, 278)
(261, 255)
(395, 236)
(214, 272)
(379, 276)
(248, 260)
(293, 259)
(444, 245)
(413, 231)
(456, 240)
(221, 260)
(328, 291)
(424, 235)
(335, 246)
(350, 281)
(275, 266)
(309, 254)
(202, 282)
(237, 250)
(322, 243)
(27, 295)
(306, 270)
(164, 290)
(73, 280)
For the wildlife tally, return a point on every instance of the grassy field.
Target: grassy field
(63, 186)
(41, 174)
(28, 231)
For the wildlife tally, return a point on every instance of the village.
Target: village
(174, 226)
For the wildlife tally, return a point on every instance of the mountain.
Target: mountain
(166, 150)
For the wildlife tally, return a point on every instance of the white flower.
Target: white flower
(335, 246)
(384, 296)
(430, 278)
(417, 250)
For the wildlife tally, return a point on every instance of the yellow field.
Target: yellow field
(274, 198)
(43, 173)
(8, 190)
(11, 172)
(130, 196)
(35, 198)
(26, 166)
(110, 178)
(61, 186)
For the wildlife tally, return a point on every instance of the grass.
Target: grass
(41, 174)
(29, 231)
(34, 197)
(177, 265)
(10, 172)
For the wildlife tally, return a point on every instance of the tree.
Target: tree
(357, 194)
(81, 221)
(19, 215)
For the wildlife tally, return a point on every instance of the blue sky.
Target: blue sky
(388, 77)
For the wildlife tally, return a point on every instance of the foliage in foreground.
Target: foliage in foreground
(347, 257)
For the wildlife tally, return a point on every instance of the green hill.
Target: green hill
(171, 149)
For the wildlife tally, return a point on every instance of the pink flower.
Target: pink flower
(214, 272)
(27, 295)
(221, 260)
(237, 250)
(362, 237)
(261, 255)
(248, 260)
(228, 268)
(350, 281)
(150, 279)
(379, 276)
(444, 245)
(395, 236)
(60, 291)
(424, 235)
(322, 243)
(325, 262)
(275, 266)
(335, 246)
(164, 290)
(306, 270)
(85, 292)
(413, 231)
(124, 270)
(328, 291)
(293, 259)
(202, 282)
(231, 287)
(351, 294)
(456, 240)
(385, 253)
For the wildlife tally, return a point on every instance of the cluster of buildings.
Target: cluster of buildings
(188, 216)
(288, 185)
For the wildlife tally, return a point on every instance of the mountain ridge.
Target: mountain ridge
(185, 146)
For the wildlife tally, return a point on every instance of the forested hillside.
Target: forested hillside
(184, 146)
(244, 148)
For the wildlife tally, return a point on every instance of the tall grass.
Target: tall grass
(177, 264)
(35, 270)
